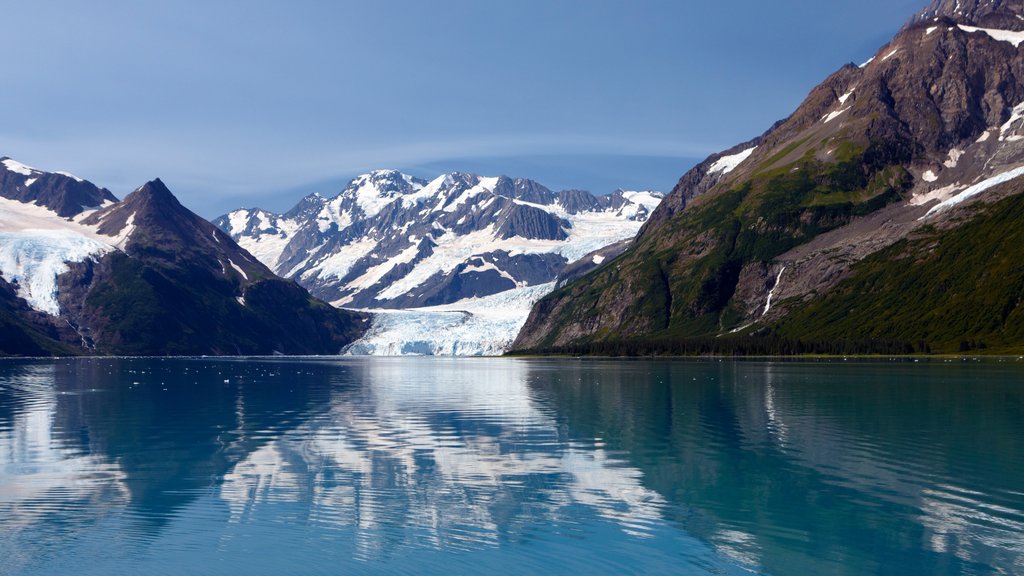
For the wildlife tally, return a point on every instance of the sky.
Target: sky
(257, 103)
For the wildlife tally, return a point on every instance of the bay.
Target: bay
(510, 466)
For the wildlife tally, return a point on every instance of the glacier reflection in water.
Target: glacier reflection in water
(462, 466)
(428, 452)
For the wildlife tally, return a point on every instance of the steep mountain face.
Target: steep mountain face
(146, 276)
(389, 240)
(875, 176)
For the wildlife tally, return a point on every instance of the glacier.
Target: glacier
(33, 259)
(472, 327)
(36, 246)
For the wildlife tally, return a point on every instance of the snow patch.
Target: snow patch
(929, 31)
(30, 182)
(485, 185)
(70, 175)
(238, 269)
(1011, 36)
(833, 115)
(727, 164)
(598, 259)
(929, 176)
(954, 158)
(890, 54)
(984, 137)
(237, 221)
(976, 189)
(338, 264)
(869, 61)
(1016, 115)
(272, 236)
(845, 97)
(19, 168)
(940, 194)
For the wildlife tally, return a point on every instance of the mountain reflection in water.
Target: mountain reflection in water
(513, 466)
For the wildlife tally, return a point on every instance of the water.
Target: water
(503, 466)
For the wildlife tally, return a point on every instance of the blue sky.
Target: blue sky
(255, 103)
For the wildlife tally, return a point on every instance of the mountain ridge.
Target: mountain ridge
(390, 240)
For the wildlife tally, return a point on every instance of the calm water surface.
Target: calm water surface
(503, 466)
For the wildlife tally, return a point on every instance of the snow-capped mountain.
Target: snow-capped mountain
(83, 272)
(390, 240)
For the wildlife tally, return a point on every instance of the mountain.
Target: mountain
(389, 240)
(82, 272)
(63, 193)
(879, 217)
(449, 266)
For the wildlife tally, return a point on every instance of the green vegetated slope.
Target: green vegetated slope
(680, 283)
(945, 291)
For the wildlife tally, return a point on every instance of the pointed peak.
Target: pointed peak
(153, 193)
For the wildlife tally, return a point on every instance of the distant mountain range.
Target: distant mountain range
(884, 215)
(469, 254)
(390, 240)
(81, 272)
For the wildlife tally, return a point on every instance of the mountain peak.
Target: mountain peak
(1002, 14)
(153, 193)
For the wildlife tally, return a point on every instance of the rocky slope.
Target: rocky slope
(798, 233)
(83, 272)
(389, 240)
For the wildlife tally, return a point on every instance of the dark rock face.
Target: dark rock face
(64, 194)
(483, 275)
(853, 172)
(530, 222)
(354, 248)
(25, 332)
(182, 286)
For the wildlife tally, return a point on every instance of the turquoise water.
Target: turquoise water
(510, 466)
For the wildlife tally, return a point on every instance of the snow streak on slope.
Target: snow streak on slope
(35, 247)
(976, 189)
(473, 327)
(727, 164)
